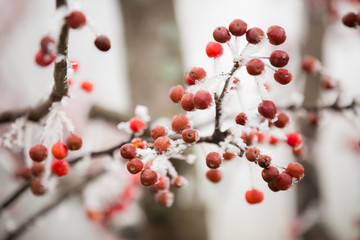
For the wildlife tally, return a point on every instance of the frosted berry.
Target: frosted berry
(255, 67)
(179, 123)
(188, 80)
(213, 160)
(187, 102)
(221, 34)
(137, 124)
(148, 177)
(248, 138)
(158, 131)
(254, 196)
(241, 119)
(197, 73)
(282, 120)
(47, 45)
(283, 181)
(43, 59)
(283, 76)
(202, 99)
(128, 151)
(254, 35)
(165, 199)
(138, 143)
(267, 109)
(252, 154)
(38, 188)
(228, 155)
(162, 144)
(350, 19)
(176, 93)
(279, 58)
(73, 142)
(37, 169)
(135, 165)
(309, 64)
(214, 50)
(59, 150)
(214, 175)
(264, 161)
(60, 167)
(180, 182)
(163, 183)
(38, 152)
(76, 19)
(190, 135)
(276, 35)
(87, 86)
(102, 43)
(270, 174)
(296, 170)
(294, 139)
(238, 27)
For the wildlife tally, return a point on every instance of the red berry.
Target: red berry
(255, 67)
(59, 150)
(294, 139)
(103, 43)
(241, 119)
(276, 35)
(128, 151)
(47, 45)
(296, 170)
(270, 174)
(214, 175)
(137, 124)
(165, 199)
(327, 84)
(74, 142)
(43, 59)
(252, 154)
(138, 143)
(202, 99)
(238, 27)
(221, 34)
(38, 188)
(282, 120)
(272, 187)
(350, 20)
(60, 167)
(148, 164)
(135, 165)
(188, 80)
(279, 58)
(264, 161)
(163, 183)
(37, 169)
(180, 182)
(260, 136)
(267, 109)
(157, 131)
(254, 35)
(228, 155)
(283, 76)
(308, 64)
(299, 152)
(179, 123)
(148, 177)
(187, 102)
(197, 73)
(190, 135)
(214, 50)
(25, 173)
(213, 160)
(76, 19)
(248, 138)
(162, 144)
(176, 93)
(254, 196)
(283, 181)
(87, 86)
(74, 65)
(273, 140)
(38, 152)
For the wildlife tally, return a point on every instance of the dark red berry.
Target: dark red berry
(128, 151)
(37, 169)
(270, 174)
(264, 161)
(214, 50)
(135, 165)
(276, 35)
(38, 152)
(283, 181)
(255, 67)
(279, 58)
(103, 43)
(296, 170)
(38, 188)
(267, 109)
(25, 173)
(241, 119)
(148, 177)
(254, 196)
(76, 19)
(73, 142)
(283, 76)
(214, 175)
(350, 20)
(179, 123)
(254, 35)
(187, 102)
(59, 150)
(43, 59)
(162, 144)
(176, 93)
(190, 135)
(221, 34)
(158, 131)
(238, 27)
(47, 45)
(197, 73)
(213, 160)
(282, 120)
(272, 187)
(202, 99)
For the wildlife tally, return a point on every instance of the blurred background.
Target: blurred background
(154, 44)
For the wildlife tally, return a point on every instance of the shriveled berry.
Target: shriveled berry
(214, 175)
(202, 99)
(270, 174)
(135, 165)
(221, 34)
(254, 35)
(38, 188)
(165, 199)
(47, 45)
(87, 86)
(350, 19)
(213, 160)
(282, 120)
(59, 150)
(137, 124)
(76, 19)
(294, 139)
(279, 58)
(308, 64)
(43, 59)
(272, 187)
(187, 102)
(252, 154)
(38, 152)
(158, 131)
(162, 144)
(190, 135)
(163, 183)
(241, 119)
(176, 93)
(283, 76)
(255, 67)
(238, 27)
(276, 35)
(148, 177)
(296, 170)
(60, 167)
(188, 80)
(197, 73)
(267, 109)
(102, 43)
(180, 182)
(179, 123)
(228, 155)
(254, 196)
(283, 181)
(214, 50)
(74, 142)
(264, 161)
(128, 151)
(37, 169)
